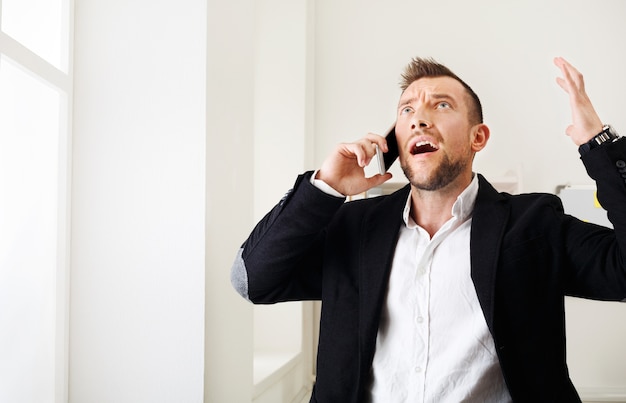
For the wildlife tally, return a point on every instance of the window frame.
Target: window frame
(36, 66)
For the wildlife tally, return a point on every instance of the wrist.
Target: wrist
(323, 186)
(607, 135)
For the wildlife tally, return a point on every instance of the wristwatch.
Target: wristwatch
(607, 135)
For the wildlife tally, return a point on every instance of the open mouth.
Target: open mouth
(423, 147)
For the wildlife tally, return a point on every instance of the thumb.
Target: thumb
(379, 179)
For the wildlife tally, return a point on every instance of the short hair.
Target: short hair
(427, 67)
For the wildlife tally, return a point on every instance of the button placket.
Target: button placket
(422, 284)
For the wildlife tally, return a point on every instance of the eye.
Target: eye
(444, 105)
(406, 109)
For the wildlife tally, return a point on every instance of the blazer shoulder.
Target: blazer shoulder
(487, 193)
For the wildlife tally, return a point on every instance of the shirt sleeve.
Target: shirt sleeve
(324, 187)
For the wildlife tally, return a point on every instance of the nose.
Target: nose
(420, 123)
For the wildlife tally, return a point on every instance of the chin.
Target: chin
(442, 176)
(422, 182)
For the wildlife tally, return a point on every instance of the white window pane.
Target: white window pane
(40, 25)
(29, 153)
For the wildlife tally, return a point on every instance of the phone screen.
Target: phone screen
(392, 143)
(385, 160)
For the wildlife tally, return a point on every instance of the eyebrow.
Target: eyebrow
(435, 96)
(442, 96)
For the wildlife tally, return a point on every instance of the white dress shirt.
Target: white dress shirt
(433, 342)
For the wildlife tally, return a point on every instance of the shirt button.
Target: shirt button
(420, 319)
(418, 369)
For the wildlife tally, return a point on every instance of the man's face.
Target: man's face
(434, 133)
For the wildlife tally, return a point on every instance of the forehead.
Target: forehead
(429, 86)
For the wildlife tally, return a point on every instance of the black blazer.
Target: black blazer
(526, 255)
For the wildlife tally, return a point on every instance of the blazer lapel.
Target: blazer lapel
(378, 240)
(488, 224)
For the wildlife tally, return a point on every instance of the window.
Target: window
(35, 99)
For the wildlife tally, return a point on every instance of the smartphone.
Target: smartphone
(385, 160)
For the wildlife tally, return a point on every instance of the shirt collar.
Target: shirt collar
(461, 209)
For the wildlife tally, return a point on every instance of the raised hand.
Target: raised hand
(585, 121)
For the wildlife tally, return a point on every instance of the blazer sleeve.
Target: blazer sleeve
(600, 254)
(282, 258)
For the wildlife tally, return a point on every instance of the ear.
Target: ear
(480, 136)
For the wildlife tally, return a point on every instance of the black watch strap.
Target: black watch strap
(607, 135)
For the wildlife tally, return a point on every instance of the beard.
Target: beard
(444, 174)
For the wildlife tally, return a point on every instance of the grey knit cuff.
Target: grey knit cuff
(239, 275)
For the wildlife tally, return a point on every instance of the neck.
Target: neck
(431, 209)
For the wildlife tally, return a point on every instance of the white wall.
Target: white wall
(283, 136)
(165, 112)
(229, 114)
(138, 203)
(280, 136)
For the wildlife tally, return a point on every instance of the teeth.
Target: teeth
(424, 143)
(424, 146)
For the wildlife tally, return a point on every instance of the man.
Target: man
(446, 290)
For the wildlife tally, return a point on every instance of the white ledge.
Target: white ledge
(607, 394)
(271, 367)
